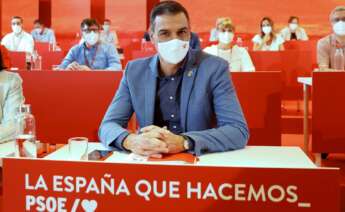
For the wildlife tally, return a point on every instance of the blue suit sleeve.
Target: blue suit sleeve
(70, 57)
(232, 131)
(113, 131)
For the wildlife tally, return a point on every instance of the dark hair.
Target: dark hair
(166, 7)
(18, 17)
(89, 22)
(107, 20)
(271, 23)
(37, 21)
(293, 18)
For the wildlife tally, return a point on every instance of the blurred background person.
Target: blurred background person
(91, 53)
(238, 57)
(109, 36)
(11, 97)
(294, 31)
(267, 40)
(331, 49)
(40, 33)
(19, 40)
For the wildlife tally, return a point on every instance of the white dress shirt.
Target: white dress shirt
(22, 42)
(11, 96)
(110, 38)
(238, 57)
(277, 41)
(300, 33)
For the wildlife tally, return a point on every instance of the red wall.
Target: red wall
(126, 15)
(68, 14)
(246, 14)
(130, 15)
(28, 9)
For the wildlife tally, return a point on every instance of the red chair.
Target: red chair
(69, 103)
(18, 60)
(260, 96)
(267, 60)
(328, 118)
(51, 58)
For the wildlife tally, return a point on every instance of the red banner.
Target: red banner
(45, 185)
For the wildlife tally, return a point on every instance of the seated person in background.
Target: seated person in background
(237, 57)
(19, 40)
(331, 49)
(294, 31)
(194, 42)
(40, 33)
(107, 35)
(11, 96)
(214, 31)
(183, 98)
(91, 54)
(267, 40)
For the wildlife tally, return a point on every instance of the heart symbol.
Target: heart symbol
(89, 205)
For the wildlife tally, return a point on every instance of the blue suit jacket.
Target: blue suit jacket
(210, 112)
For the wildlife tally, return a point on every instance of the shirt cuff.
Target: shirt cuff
(118, 142)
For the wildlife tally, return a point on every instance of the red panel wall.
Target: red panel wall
(28, 9)
(127, 15)
(246, 14)
(68, 14)
(98, 10)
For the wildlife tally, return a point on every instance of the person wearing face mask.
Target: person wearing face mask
(107, 35)
(267, 40)
(175, 95)
(19, 40)
(40, 33)
(293, 31)
(237, 57)
(91, 53)
(331, 49)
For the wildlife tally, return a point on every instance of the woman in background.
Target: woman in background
(293, 31)
(267, 40)
(11, 96)
(237, 57)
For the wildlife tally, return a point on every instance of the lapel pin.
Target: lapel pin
(190, 73)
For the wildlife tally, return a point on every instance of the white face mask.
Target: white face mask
(106, 28)
(91, 38)
(173, 51)
(225, 37)
(16, 29)
(293, 26)
(267, 29)
(339, 28)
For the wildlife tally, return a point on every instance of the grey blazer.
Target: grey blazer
(11, 96)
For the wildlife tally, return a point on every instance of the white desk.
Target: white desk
(307, 83)
(251, 156)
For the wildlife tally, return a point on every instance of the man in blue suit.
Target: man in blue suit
(183, 98)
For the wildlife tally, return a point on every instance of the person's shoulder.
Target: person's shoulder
(26, 34)
(211, 49)
(285, 30)
(239, 49)
(325, 41)
(10, 77)
(141, 65)
(210, 62)
(7, 36)
(257, 38)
